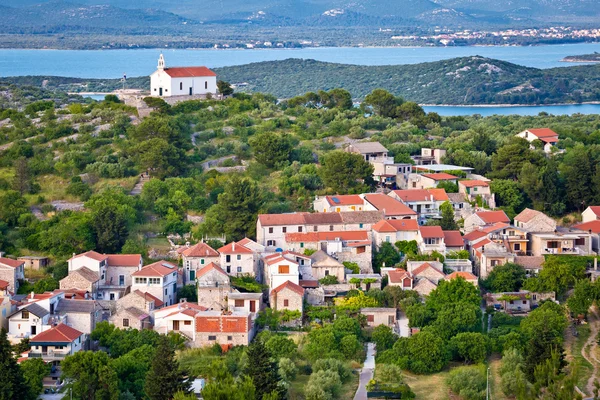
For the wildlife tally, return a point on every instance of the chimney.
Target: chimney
(32, 295)
(233, 246)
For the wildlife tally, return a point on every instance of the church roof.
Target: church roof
(186, 72)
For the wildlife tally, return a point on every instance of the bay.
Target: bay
(115, 63)
(485, 111)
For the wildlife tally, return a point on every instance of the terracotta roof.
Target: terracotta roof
(593, 226)
(359, 243)
(431, 231)
(413, 195)
(530, 262)
(322, 218)
(136, 312)
(424, 267)
(223, 323)
(185, 72)
(398, 275)
(184, 305)
(124, 260)
(235, 248)
(200, 250)
(86, 274)
(527, 215)
(545, 134)
(361, 217)
(159, 268)
(595, 210)
(4, 285)
(10, 262)
(289, 285)
(494, 227)
(453, 239)
(474, 235)
(326, 236)
(208, 268)
(278, 259)
(467, 276)
(490, 217)
(59, 334)
(344, 200)
(91, 254)
(441, 176)
(388, 204)
(396, 225)
(473, 183)
(148, 297)
(482, 243)
(369, 147)
(281, 219)
(308, 283)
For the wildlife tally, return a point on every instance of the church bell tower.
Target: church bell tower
(161, 62)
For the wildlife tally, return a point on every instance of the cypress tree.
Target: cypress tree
(164, 378)
(12, 384)
(263, 372)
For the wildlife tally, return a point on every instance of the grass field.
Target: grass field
(573, 346)
(298, 386)
(159, 244)
(430, 387)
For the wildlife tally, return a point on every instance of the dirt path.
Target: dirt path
(589, 348)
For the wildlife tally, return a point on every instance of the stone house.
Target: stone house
(425, 202)
(593, 228)
(28, 321)
(517, 302)
(278, 270)
(473, 189)
(371, 151)
(213, 287)
(392, 231)
(287, 296)
(195, 258)
(400, 277)
(82, 315)
(453, 241)
(488, 254)
(131, 318)
(248, 302)
(225, 328)
(379, 316)
(427, 181)
(534, 221)
(81, 279)
(238, 260)
(430, 239)
(34, 262)
(569, 241)
(12, 271)
(482, 219)
(467, 276)
(323, 265)
(159, 279)
(389, 206)
(338, 203)
(180, 318)
(7, 307)
(56, 343)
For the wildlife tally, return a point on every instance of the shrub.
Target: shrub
(331, 364)
(329, 280)
(323, 385)
(468, 382)
(287, 369)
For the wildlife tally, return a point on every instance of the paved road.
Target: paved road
(366, 374)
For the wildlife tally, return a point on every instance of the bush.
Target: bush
(287, 369)
(331, 364)
(323, 385)
(468, 382)
(469, 346)
(329, 280)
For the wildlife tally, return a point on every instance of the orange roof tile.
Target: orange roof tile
(482, 243)
(474, 183)
(149, 297)
(281, 219)
(186, 72)
(441, 176)
(490, 217)
(494, 227)
(426, 266)
(59, 334)
(545, 134)
(10, 262)
(453, 239)
(4, 285)
(159, 268)
(431, 231)
(200, 250)
(593, 226)
(325, 236)
(527, 215)
(391, 206)
(223, 323)
(278, 259)
(208, 268)
(467, 276)
(412, 195)
(474, 235)
(91, 254)
(235, 248)
(344, 200)
(124, 260)
(595, 210)
(289, 285)
(398, 275)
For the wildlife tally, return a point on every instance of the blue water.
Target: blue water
(520, 110)
(115, 63)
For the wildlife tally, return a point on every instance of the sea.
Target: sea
(116, 63)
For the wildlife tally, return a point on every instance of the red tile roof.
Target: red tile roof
(441, 176)
(281, 219)
(398, 275)
(4, 285)
(210, 267)
(413, 195)
(467, 276)
(491, 217)
(291, 286)
(391, 206)
(474, 183)
(345, 200)
(200, 250)
(159, 268)
(482, 243)
(545, 134)
(431, 231)
(453, 239)
(325, 236)
(185, 72)
(277, 259)
(309, 283)
(223, 323)
(148, 297)
(396, 225)
(593, 226)
(474, 235)
(59, 334)
(124, 260)
(495, 227)
(595, 210)
(10, 262)
(184, 306)
(424, 267)
(235, 248)
(527, 215)
(91, 254)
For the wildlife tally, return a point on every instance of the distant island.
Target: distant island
(591, 58)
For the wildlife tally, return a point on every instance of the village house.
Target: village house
(182, 81)
(548, 137)
(338, 203)
(225, 328)
(467, 276)
(159, 279)
(482, 219)
(425, 202)
(213, 287)
(534, 221)
(531, 265)
(248, 302)
(420, 277)
(287, 296)
(238, 260)
(179, 318)
(323, 265)
(379, 316)
(278, 270)
(28, 321)
(81, 279)
(428, 181)
(517, 302)
(400, 277)
(131, 318)
(474, 189)
(82, 315)
(429, 156)
(389, 206)
(195, 258)
(56, 343)
(394, 230)
(7, 306)
(12, 271)
(514, 239)
(462, 208)
(488, 254)
(430, 239)
(34, 262)
(593, 228)
(592, 213)
(454, 241)
(371, 151)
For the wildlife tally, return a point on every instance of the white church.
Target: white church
(182, 81)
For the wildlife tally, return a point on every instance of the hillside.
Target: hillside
(467, 80)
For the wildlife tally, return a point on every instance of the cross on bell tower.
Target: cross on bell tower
(161, 62)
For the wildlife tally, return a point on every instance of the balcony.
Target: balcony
(521, 238)
(425, 248)
(50, 355)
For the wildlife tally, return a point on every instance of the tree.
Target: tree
(386, 256)
(558, 275)
(224, 88)
(513, 381)
(582, 298)
(220, 385)
(427, 352)
(455, 291)
(350, 347)
(448, 186)
(188, 292)
(34, 371)
(271, 149)
(447, 222)
(508, 195)
(383, 337)
(468, 382)
(333, 364)
(577, 170)
(355, 303)
(408, 247)
(22, 182)
(381, 102)
(469, 346)
(132, 368)
(287, 369)
(12, 383)
(321, 343)
(281, 346)
(90, 376)
(263, 371)
(508, 161)
(164, 378)
(323, 385)
(12, 205)
(454, 318)
(345, 172)
(161, 157)
(508, 277)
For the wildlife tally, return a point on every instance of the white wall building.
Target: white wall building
(182, 81)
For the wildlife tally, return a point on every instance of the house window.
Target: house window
(25, 314)
(315, 228)
(230, 338)
(112, 296)
(239, 257)
(512, 302)
(517, 246)
(239, 303)
(239, 269)
(270, 243)
(270, 230)
(227, 258)
(284, 229)
(212, 338)
(121, 280)
(140, 281)
(370, 318)
(187, 323)
(154, 281)
(331, 227)
(180, 85)
(202, 261)
(166, 292)
(326, 272)
(524, 302)
(388, 239)
(360, 226)
(580, 242)
(286, 303)
(192, 275)
(34, 330)
(229, 269)
(299, 229)
(390, 320)
(360, 250)
(284, 269)
(301, 244)
(125, 322)
(205, 85)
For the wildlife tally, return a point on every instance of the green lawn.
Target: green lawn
(298, 386)
(159, 244)
(430, 387)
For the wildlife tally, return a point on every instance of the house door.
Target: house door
(175, 325)
(252, 306)
(160, 91)
(33, 330)
(191, 92)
